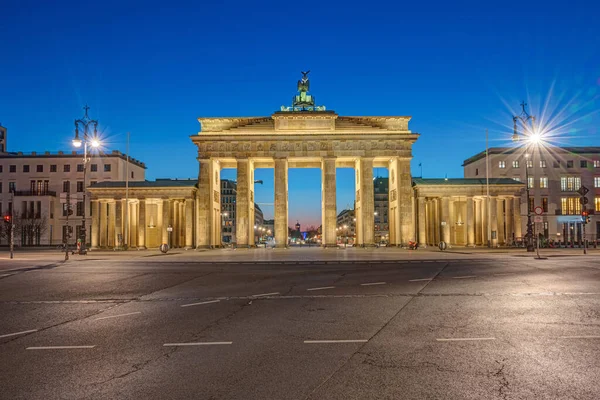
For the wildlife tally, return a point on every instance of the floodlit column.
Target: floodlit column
(159, 220)
(111, 224)
(517, 216)
(508, 220)
(422, 221)
(494, 219)
(484, 222)
(209, 200)
(103, 222)
(478, 228)
(189, 222)
(445, 219)
(244, 225)
(142, 224)
(175, 223)
(436, 221)
(95, 224)
(366, 196)
(500, 218)
(166, 220)
(470, 221)
(182, 223)
(328, 203)
(133, 223)
(281, 202)
(118, 221)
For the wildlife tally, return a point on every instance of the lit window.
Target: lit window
(531, 204)
(545, 204)
(597, 181)
(530, 182)
(570, 183)
(570, 205)
(516, 164)
(501, 164)
(597, 203)
(544, 182)
(517, 178)
(596, 163)
(529, 163)
(542, 163)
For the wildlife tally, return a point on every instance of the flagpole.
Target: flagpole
(487, 184)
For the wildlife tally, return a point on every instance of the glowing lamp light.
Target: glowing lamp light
(95, 143)
(77, 142)
(535, 138)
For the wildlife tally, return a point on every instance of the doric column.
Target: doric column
(436, 221)
(159, 221)
(470, 221)
(517, 216)
(112, 214)
(182, 223)
(328, 202)
(209, 204)
(118, 222)
(494, 219)
(175, 223)
(485, 239)
(365, 202)
(189, 223)
(508, 220)
(401, 201)
(244, 202)
(445, 219)
(103, 223)
(142, 224)
(166, 220)
(500, 217)
(133, 224)
(281, 202)
(478, 228)
(422, 211)
(95, 224)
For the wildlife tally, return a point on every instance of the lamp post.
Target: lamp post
(532, 138)
(93, 141)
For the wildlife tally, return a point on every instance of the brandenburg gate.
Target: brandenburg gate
(304, 136)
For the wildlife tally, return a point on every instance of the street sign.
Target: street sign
(538, 210)
(538, 218)
(583, 190)
(583, 200)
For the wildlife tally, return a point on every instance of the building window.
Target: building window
(1, 167)
(79, 210)
(529, 163)
(597, 203)
(53, 168)
(12, 187)
(0, 192)
(570, 164)
(66, 168)
(80, 186)
(556, 164)
(583, 163)
(517, 178)
(66, 186)
(515, 164)
(570, 205)
(40, 168)
(79, 167)
(132, 176)
(545, 204)
(25, 168)
(596, 164)
(544, 182)
(106, 167)
(570, 183)
(597, 181)
(501, 164)
(12, 168)
(530, 182)
(531, 204)
(94, 168)
(542, 163)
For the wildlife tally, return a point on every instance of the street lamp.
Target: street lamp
(94, 142)
(533, 137)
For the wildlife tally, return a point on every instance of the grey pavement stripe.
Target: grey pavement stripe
(265, 294)
(580, 337)
(321, 288)
(336, 341)
(464, 277)
(465, 339)
(373, 284)
(18, 333)
(420, 280)
(197, 304)
(59, 347)
(196, 344)
(116, 316)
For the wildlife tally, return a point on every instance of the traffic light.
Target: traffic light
(8, 219)
(585, 217)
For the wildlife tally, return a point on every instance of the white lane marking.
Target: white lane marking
(3, 275)
(373, 284)
(509, 273)
(196, 344)
(336, 341)
(420, 280)
(465, 339)
(59, 347)
(265, 294)
(204, 302)
(321, 288)
(580, 337)
(116, 316)
(464, 277)
(18, 333)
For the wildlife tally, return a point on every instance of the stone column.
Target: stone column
(118, 221)
(103, 223)
(517, 216)
(328, 203)
(182, 223)
(508, 220)
(189, 223)
(166, 220)
(133, 224)
(421, 209)
(494, 219)
(244, 227)
(142, 224)
(366, 198)
(112, 214)
(484, 221)
(436, 221)
(281, 202)
(478, 228)
(209, 199)
(446, 218)
(95, 224)
(159, 221)
(175, 223)
(470, 221)
(500, 217)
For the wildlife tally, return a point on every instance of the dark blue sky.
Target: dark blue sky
(152, 69)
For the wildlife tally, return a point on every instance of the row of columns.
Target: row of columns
(496, 217)
(145, 215)
(209, 215)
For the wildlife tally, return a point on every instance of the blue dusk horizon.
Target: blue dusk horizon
(152, 69)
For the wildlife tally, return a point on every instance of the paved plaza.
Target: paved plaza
(301, 324)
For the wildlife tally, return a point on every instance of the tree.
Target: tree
(32, 228)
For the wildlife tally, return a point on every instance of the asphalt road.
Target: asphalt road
(503, 327)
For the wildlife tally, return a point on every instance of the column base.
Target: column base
(141, 247)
